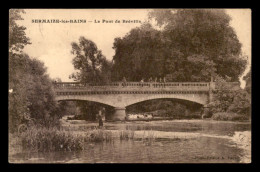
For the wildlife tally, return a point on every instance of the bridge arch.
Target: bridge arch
(175, 107)
(110, 110)
(182, 101)
(84, 98)
(79, 99)
(198, 99)
(124, 100)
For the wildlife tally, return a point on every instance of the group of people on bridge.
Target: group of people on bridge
(161, 80)
(150, 80)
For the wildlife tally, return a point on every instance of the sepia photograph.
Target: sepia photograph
(129, 86)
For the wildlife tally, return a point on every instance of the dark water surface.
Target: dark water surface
(215, 144)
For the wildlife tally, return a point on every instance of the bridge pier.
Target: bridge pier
(119, 114)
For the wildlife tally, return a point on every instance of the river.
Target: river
(176, 141)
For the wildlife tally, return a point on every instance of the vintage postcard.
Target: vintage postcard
(129, 86)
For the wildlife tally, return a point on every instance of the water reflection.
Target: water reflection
(213, 144)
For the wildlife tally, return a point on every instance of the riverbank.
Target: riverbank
(243, 141)
(187, 129)
(229, 116)
(64, 121)
(193, 140)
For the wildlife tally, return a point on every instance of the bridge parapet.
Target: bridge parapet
(135, 86)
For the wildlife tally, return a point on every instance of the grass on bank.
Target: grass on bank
(147, 137)
(42, 139)
(126, 134)
(228, 116)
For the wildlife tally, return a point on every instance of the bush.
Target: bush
(32, 92)
(228, 100)
(224, 116)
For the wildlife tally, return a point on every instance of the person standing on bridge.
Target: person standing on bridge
(164, 81)
(124, 82)
(150, 81)
(142, 81)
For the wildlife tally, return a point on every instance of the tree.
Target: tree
(17, 104)
(105, 74)
(192, 45)
(138, 54)
(17, 37)
(31, 93)
(202, 33)
(88, 60)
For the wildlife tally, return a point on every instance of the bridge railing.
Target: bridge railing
(80, 85)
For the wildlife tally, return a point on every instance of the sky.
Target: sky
(51, 42)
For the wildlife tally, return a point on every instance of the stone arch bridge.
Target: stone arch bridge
(120, 95)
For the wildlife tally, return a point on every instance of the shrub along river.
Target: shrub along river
(176, 141)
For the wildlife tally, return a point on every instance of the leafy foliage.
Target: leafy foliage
(92, 65)
(31, 95)
(231, 101)
(192, 45)
(17, 37)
